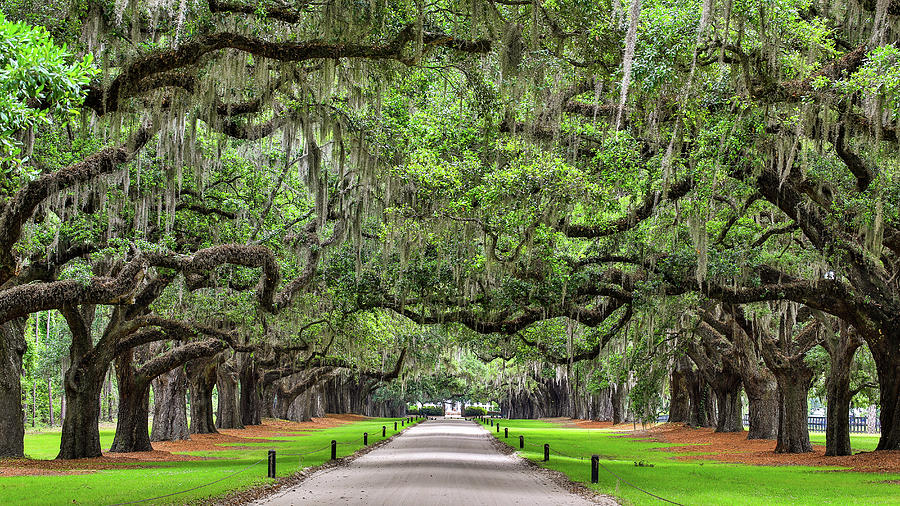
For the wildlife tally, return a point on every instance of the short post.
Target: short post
(492, 422)
(595, 468)
(403, 422)
(365, 439)
(546, 452)
(395, 425)
(521, 441)
(506, 432)
(498, 426)
(271, 463)
(383, 430)
(333, 449)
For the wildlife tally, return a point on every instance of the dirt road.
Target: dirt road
(435, 462)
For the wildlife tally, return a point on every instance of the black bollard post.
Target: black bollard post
(395, 425)
(498, 426)
(271, 463)
(383, 430)
(595, 468)
(403, 423)
(546, 452)
(365, 439)
(521, 441)
(333, 449)
(492, 422)
(506, 432)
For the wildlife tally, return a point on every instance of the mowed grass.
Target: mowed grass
(161, 478)
(695, 481)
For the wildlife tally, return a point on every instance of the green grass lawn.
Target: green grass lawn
(696, 481)
(123, 485)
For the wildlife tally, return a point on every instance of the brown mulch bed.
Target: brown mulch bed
(164, 451)
(577, 423)
(735, 447)
(32, 467)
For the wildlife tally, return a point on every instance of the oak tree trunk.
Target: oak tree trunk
(702, 405)
(132, 431)
(228, 412)
(793, 428)
(887, 363)
(201, 380)
(728, 404)
(680, 385)
(762, 397)
(250, 405)
(81, 430)
(12, 428)
(837, 412)
(169, 412)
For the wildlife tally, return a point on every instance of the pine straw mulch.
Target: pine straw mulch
(735, 447)
(165, 451)
(578, 423)
(133, 460)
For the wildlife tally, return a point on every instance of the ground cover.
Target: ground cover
(687, 474)
(236, 457)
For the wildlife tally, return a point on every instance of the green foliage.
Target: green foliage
(34, 71)
(425, 410)
(473, 411)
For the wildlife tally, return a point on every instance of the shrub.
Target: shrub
(425, 411)
(474, 411)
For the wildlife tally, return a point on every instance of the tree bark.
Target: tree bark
(228, 411)
(841, 348)
(83, 383)
(169, 412)
(702, 405)
(887, 363)
(132, 431)
(680, 385)
(728, 403)
(250, 403)
(12, 427)
(618, 403)
(201, 380)
(793, 428)
(762, 397)
(81, 430)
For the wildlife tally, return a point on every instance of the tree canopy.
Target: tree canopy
(592, 209)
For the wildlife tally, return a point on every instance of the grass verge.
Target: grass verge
(693, 481)
(243, 467)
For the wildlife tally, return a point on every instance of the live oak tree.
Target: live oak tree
(586, 190)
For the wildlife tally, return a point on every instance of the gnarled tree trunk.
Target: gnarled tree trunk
(81, 430)
(228, 411)
(83, 383)
(841, 348)
(887, 363)
(12, 428)
(793, 428)
(703, 413)
(786, 359)
(680, 385)
(728, 403)
(250, 402)
(762, 397)
(132, 431)
(201, 380)
(169, 411)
